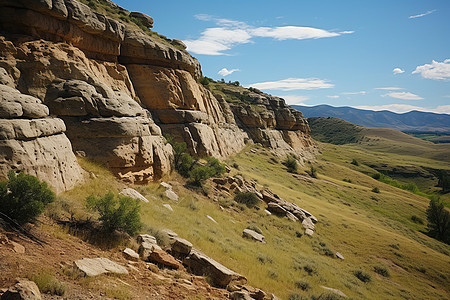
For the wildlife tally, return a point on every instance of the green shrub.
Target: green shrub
(363, 276)
(312, 172)
(291, 164)
(416, 219)
(199, 174)
(327, 296)
(383, 271)
(117, 213)
(23, 197)
(376, 190)
(311, 270)
(217, 168)
(438, 220)
(47, 283)
(247, 198)
(355, 162)
(296, 296)
(303, 285)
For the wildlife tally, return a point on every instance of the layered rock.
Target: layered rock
(33, 142)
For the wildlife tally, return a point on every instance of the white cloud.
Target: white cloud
(403, 96)
(294, 99)
(390, 88)
(216, 40)
(398, 71)
(435, 70)
(225, 72)
(422, 15)
(355, 93)
(291, 84)
(403, 108)
(333, 96)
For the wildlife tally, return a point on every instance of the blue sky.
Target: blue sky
(392, 55)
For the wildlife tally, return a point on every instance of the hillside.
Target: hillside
(414, 121)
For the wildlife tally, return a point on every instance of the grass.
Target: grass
(48, 283)
(362, 225)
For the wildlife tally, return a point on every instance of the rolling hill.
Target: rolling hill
(414, 121)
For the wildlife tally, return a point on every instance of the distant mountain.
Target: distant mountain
(414, 121)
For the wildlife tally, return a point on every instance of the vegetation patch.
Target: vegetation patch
(363, 276)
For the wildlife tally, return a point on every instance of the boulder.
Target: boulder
(291, 217)
(309, 232)
(97, 266)
(130, 254)
(23, 290)
(276, 209)
(144, 19)
(251, 234)
(308, 224)
(132, 193)
(240, 295)
(166, 185)
(200, 264)
(334, 291)
(171, 195)
(339, 255)
(164, 258)
(181, 246)
(146, 238)
(168, 206)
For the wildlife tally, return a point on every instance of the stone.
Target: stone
(23, 290)
(339, 255)
(267, 212)
(145, 249)
(240, 295)
(141, 238)
(145, 20)
(168, 207)
(308, 224)
(200, 264)
(251, 234)
(164, 258)
(335, 291)
(132, 193)
(166, 185)
(181, 246)
(96, 266)
(171, 195)
(211, 218)
(18, 248)
(309, 232)
(291, 217)
(276, 209)
(130, 254)
(169, 233)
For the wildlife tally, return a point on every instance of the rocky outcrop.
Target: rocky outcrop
(97, 266)
(23, 290)
(269, 121)
(33, 142)
(118, 89)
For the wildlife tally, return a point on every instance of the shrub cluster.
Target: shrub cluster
(247, 198)
(291, 164)
(190, 167)
(438, 220)
(23, 197)
(117, 213)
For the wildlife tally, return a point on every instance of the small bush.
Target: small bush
(117, 213)
(417, 220)
(383, 271)
(24, 197)
(363, 276)
(291, 164)
(47, 283)
(376, 176)
(327, 296)
(312, 172)
(347, 180)
(376, 190)
(235, 165)
(199, 174)
(355, 162)
(272, 274)
(303, 285)
(247, 198)
(311, 270)
(264, 259)
(255, 228)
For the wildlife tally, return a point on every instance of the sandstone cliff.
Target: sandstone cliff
(115, 90)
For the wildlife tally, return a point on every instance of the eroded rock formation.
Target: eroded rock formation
(119, 89)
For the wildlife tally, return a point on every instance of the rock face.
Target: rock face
(118, 90)
(33, 142)
(22, 290)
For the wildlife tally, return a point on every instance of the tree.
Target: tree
(23, 197)
(117, 213)
(438, 220)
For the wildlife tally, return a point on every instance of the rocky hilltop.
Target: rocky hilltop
(77, 81)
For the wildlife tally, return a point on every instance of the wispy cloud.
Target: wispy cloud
(390, 88)
(355, 93)
(403, 108)
(294, 99)
(229, 33)
(292, 84)
(225, 72)
(403, 96)
(435, 70)
(422, 15)
(333, 96)
(398, 71)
